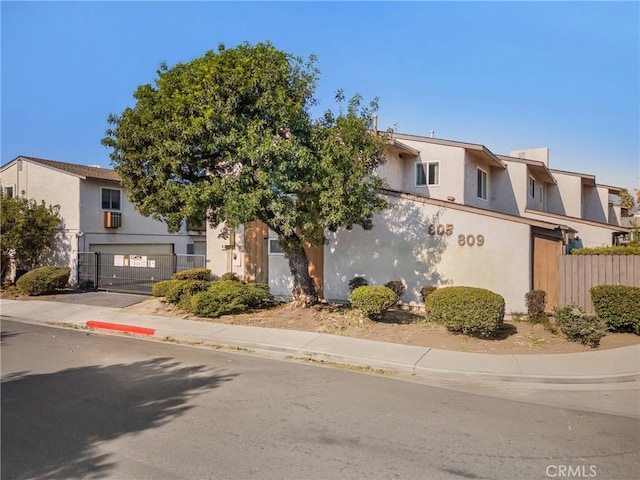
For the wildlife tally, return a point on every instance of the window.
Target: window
(110, 199)
(427, 173)
(532, 187)
(482, 184)
(7, 192)
(274, 247)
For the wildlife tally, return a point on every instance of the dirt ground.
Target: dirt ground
(398, 326)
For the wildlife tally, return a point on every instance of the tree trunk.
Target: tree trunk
(304, 291)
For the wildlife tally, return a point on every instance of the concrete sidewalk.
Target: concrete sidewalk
(598, 367)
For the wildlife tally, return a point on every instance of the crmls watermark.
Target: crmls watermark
(571, 471)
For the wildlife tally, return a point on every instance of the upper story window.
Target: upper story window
(482, 184)
(110, 199)
(7, 192)
(427, 173)
(532, 187)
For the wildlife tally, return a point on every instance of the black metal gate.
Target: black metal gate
(131, 273)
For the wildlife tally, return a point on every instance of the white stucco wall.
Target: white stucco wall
(400, 248)
(595, 204)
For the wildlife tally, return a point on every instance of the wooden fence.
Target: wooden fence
(578, 273)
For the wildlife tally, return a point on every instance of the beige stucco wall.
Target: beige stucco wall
(135, 229)
(401, 248)
(225, 254)
(41, 183)
(565, 198)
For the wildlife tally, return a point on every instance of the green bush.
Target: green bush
(397, 287)
(580, 326)
(426, 291)
(356, 282)
(228, 297)
(231, 276)
(618, 306)
(193, 274)
(43, 280)
(536, 300)
(160, 289)
(180, 291)
(468, 310)
(373, 300)
(613, 250)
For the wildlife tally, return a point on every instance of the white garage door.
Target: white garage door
(132, 248)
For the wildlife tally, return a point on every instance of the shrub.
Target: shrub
(227, 297)
(397, 287)
(468, 310)
(43, 280)
(179, 292)
(613, 250)
(373, 300)
(160, 289)
(618, 306)
(193, 274)
(536, 300)
(231, 276)
(426, 291)
(356, 282)
(580, 326)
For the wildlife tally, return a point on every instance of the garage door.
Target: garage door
(132, 248)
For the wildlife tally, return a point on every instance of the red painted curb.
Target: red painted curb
(120, 327)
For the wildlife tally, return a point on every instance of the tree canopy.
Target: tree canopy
(626, 199)
(27, 231)
(231, 134)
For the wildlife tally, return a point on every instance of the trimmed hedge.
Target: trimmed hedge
(227, 297)
(618, 306)
(373, 300)
(614, 250)
(43, 280)
(193, 274)
(467, 310)
(580, 326)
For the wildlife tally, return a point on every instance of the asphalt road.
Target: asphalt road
(83, 405)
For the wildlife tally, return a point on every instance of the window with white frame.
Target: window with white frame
(427, 173)
(110, 199)
(482, 184)
(532, 187)
(7, 192)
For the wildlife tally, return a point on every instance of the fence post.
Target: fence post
(97, 270)
(175, 263)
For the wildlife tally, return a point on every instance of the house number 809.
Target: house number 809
(471, 240)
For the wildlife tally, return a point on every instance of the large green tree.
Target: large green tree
(231, 134)
(27, 233)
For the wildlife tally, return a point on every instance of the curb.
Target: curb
(118, 327)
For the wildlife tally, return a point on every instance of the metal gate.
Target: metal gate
(131, 273)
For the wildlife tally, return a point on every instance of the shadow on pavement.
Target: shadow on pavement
(53, 423)
(100, 299)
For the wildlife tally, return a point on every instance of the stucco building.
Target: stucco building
(96, 215)
(461, 215)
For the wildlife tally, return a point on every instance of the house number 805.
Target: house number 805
(440, 229)
(471, 240)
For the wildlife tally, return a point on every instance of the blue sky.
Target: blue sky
(507, 75)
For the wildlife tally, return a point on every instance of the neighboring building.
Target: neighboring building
(96, 214)
(461, 215)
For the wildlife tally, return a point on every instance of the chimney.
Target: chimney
(375, 124)
(433, 133)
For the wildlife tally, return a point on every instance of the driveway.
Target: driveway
(101, 299)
